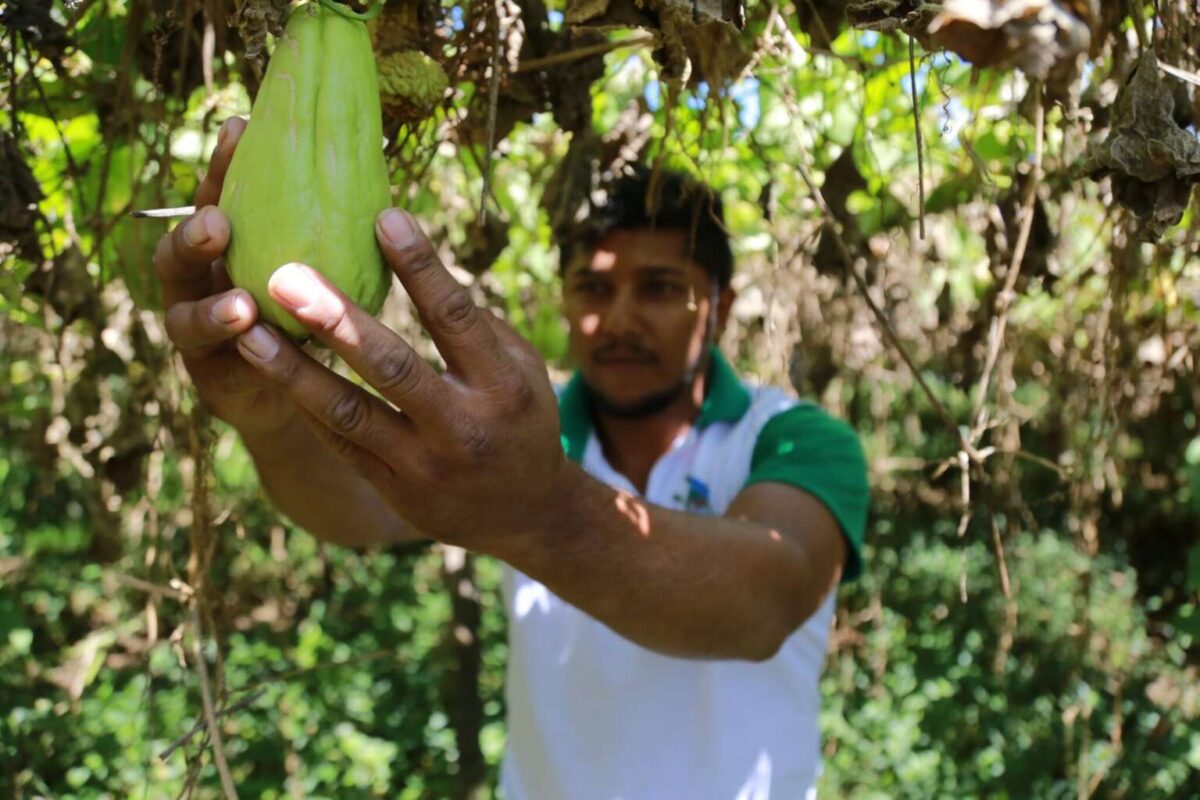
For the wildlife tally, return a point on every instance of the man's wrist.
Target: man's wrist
(556, 528)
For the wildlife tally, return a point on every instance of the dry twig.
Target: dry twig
(580, 53)
(1005, 298)
(210, 714)
(201, 724)
(151, 588)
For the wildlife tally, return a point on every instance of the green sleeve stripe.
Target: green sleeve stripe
(807, 448)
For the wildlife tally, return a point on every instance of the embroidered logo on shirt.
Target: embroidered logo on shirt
(697, 500)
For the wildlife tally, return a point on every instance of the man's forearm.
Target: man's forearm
(309, 483)
(681, 584)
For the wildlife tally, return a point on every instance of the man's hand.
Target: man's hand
(204, 313)
(472, 456)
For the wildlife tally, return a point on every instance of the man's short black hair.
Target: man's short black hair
(667, 200)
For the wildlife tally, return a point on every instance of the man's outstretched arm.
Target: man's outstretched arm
(473, 458)
(689, 585)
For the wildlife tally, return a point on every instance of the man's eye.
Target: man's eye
(590, 288)
(662, 289)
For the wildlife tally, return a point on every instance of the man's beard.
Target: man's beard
(639, 409)
(650, 405)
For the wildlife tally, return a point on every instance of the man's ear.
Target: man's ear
(724, 305)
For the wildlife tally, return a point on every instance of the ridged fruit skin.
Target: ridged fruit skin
(308, 177)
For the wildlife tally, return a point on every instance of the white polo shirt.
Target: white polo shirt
(593, 716)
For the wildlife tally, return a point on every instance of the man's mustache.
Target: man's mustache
(623, 352)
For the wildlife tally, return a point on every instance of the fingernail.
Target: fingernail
(214, 224)
(295, 286)
(259, 343)
(230, 309)
(397, 227)
(197, 231)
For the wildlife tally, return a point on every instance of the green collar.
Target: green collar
(727, 400)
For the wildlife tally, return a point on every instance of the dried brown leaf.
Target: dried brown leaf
(1152, 161)
(1042, 38)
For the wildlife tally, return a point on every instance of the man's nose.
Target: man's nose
(622, 314)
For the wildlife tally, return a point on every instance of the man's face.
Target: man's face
(637, 308)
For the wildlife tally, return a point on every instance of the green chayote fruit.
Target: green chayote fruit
(308, 177)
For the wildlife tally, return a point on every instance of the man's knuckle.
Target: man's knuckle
(476, 440)
(415, 257)
(512, 395)
(458, 313)
(396, 370)
(347, 412)
(521, 395)
(420, 258)
(343, 447)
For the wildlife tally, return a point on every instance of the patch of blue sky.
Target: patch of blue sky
(555, 18)
(653, 94)
(456, 18)
(744, 93)
(922, 77)
(746, 96)
(869, 40)
(1085, 75)
(947, 60)
(955, 116)
(699, 99)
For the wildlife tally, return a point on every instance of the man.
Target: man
(673, 537)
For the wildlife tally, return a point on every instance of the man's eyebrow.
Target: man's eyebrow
(661, 269)
(584, 270)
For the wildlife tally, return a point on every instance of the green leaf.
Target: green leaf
(991, 147)
(951, 193)
(103, 39)
(20, 640)
(1193, 568)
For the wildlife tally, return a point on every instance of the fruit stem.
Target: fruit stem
(349, 13)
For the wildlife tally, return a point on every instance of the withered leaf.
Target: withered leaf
(1042, 38)
(1153, 162)
(1046, 39)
